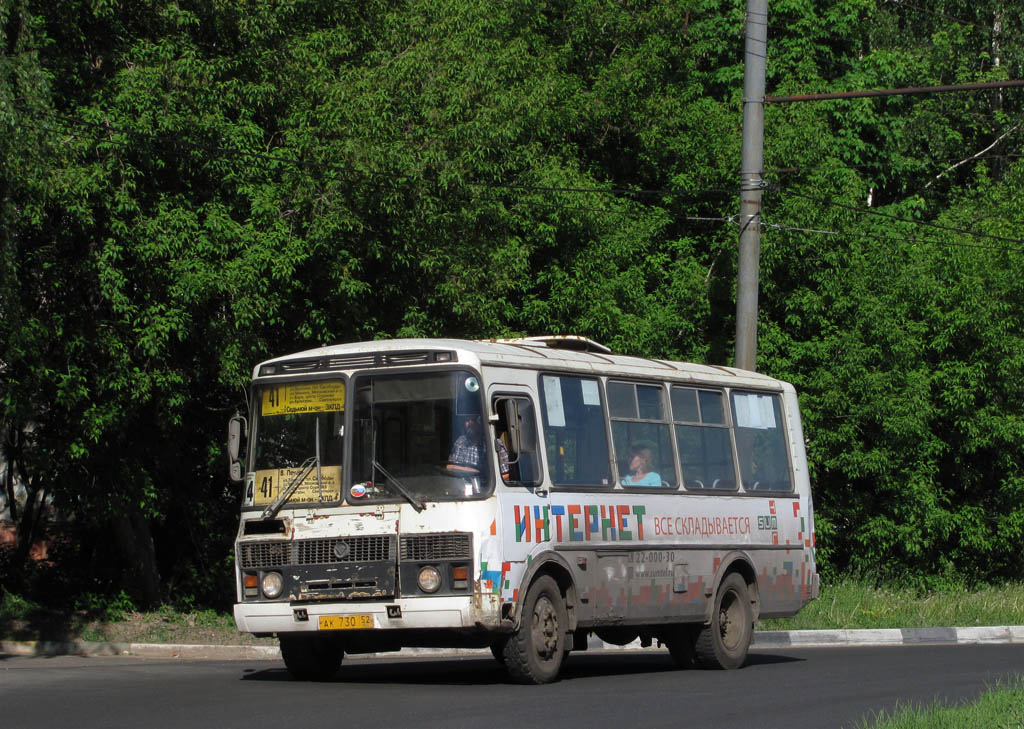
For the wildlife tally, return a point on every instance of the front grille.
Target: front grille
(437, 546)
(261, 555)
(255, 555)
(350, 549)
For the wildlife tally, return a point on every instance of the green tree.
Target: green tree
(191, 187)
(903, 335)
(27, 178)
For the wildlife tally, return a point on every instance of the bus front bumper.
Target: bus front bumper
(444, 613)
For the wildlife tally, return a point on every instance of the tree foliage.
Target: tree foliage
(190, 187)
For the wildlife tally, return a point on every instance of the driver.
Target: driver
(467, 454)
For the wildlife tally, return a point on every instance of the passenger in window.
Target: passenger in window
(503, 462)
(641, 470)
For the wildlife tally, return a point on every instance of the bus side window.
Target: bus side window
(761, 442)
(574, 431)
(519, 439)
(641, 435)
(702, 436)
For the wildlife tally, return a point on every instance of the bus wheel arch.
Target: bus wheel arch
(736, 562)
(554, 566)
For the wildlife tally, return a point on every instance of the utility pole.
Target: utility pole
(752, 166)
(755, 57)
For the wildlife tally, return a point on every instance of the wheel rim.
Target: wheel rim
(730, 621)
(544, 629)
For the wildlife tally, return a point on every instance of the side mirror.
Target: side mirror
(237, 427)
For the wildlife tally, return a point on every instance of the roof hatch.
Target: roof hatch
(560, 341)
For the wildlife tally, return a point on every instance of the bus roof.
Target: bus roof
(557, 352)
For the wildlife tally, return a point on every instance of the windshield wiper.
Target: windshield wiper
(297, 479)
(416, 503)
(304, 469)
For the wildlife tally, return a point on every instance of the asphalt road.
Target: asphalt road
(790, 688)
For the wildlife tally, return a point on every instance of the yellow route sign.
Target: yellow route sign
(326, 396)
(269, 484)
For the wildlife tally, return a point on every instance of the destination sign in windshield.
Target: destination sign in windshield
(304, 397)
(269, 483)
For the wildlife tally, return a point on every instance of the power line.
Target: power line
(229, 154)
(778, 226)
(889, 216)
(575, 208)
(981, 86)
(225, 153)
(617, 191)
(861, 167)
(891, 239)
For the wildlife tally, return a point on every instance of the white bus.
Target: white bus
(519, 495)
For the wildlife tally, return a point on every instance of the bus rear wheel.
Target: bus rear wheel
(534, 653)
(725, 642)
(311, 658)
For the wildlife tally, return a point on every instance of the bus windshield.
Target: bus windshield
(419, 437)
(299, 438)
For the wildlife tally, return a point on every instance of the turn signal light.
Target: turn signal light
(251, 583)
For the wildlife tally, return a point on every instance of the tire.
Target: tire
(311, 658)
(725, 642)
(535, 652)
(679, 640)
(498, 649)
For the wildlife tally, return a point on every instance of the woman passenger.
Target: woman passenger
(641, 471)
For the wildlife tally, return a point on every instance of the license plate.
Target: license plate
(346, 622)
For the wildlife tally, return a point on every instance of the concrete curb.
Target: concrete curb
(762, 639)
(141, 650)
(889, 636)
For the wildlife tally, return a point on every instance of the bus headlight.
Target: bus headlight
(429, 579)
(272, 585)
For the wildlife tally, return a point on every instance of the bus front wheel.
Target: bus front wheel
(725, 642)
(311, 658)
(680, 639)
(498, 649)
(534, 653)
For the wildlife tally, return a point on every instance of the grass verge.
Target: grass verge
(1001, 707)
(23, 620)
(851, 604)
